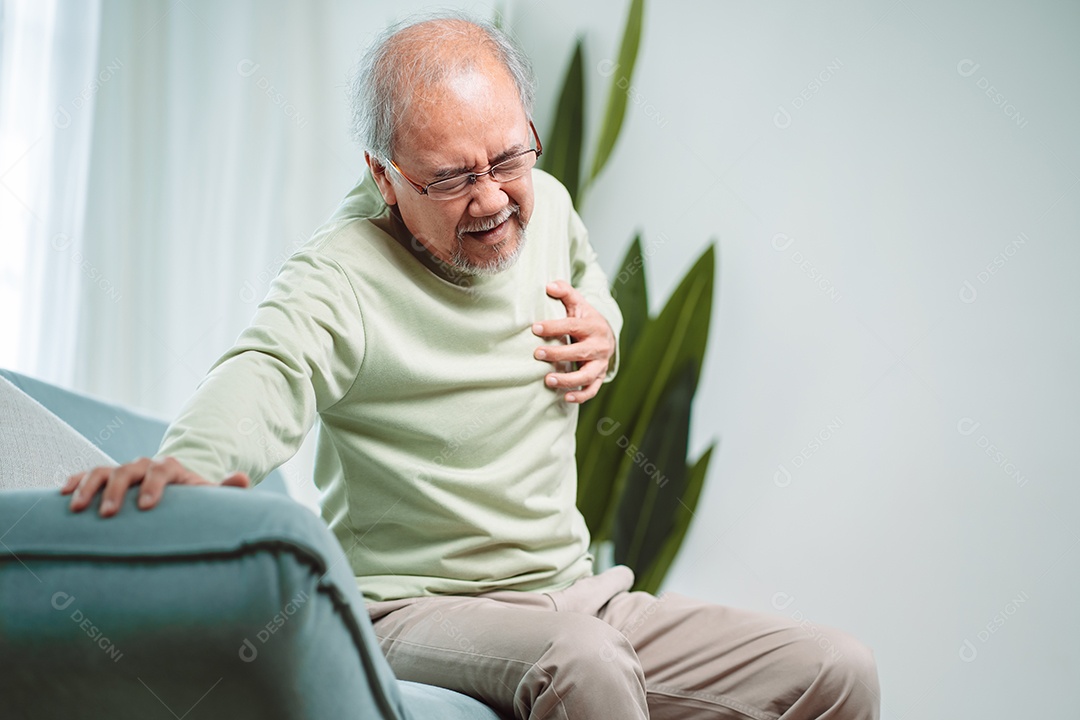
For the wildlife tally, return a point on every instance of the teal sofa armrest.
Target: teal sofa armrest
(220, 603)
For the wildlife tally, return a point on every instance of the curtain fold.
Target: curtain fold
(159, 161)
(218, 148)
(49, 84)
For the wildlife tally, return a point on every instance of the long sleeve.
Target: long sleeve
(439, 445)
(300, 355)
(591, 281)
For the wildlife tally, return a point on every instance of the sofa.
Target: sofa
(219, 603)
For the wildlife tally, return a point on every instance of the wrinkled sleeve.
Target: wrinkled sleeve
(300, 355)
(591, 282)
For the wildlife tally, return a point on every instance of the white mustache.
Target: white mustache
(484, 224)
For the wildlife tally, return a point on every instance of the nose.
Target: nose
(487, 197)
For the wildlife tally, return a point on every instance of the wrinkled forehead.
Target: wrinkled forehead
(463, 117)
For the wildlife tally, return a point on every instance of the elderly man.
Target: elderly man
(443, 327)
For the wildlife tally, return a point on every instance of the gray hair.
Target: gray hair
(404, 58)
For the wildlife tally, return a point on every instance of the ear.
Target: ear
(378, 171)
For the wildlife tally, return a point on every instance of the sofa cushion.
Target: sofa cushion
(428, 701)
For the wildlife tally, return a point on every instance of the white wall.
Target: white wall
(897, 183)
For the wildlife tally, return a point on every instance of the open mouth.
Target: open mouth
(495, 235)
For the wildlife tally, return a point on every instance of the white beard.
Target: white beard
(502, 260)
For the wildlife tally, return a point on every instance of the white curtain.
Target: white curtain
(48, 86)
(209, 165)
(160, 160)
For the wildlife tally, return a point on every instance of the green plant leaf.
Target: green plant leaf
(653, 577)
(594, 489)
(656, 481)
(562, 151)
(633, 302)
(620, 84)
(628, 289)
(679, 335)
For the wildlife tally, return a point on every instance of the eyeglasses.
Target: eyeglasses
(457, 186)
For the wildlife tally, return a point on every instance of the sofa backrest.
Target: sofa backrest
(120, 433)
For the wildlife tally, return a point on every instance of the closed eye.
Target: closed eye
(454, 172)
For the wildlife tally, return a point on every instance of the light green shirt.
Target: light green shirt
(445, 465)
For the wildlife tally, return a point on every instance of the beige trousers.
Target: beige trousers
(595, 651)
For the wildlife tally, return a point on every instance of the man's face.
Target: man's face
(463, 125)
